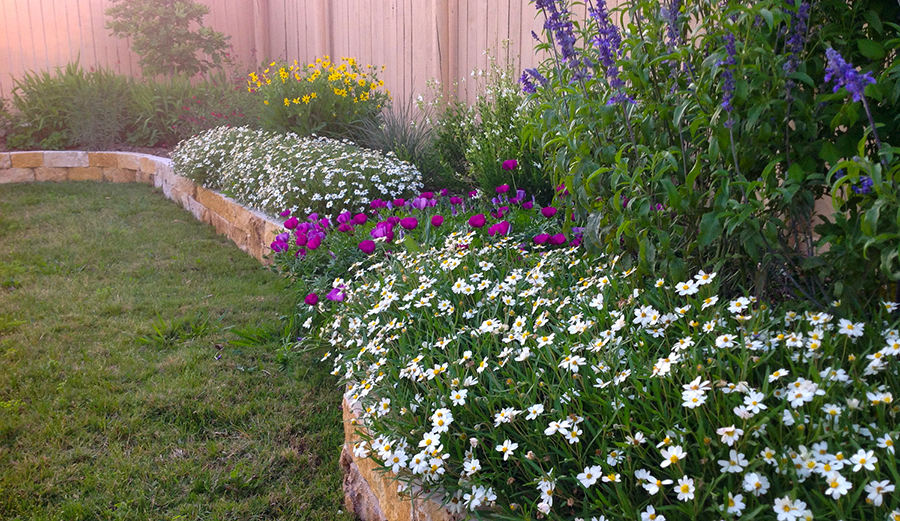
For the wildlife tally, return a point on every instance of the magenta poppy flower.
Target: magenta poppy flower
(291, 223)
(428, 195)
(285, 213)
(558, 239)
(455, 200)
(279, 246)
(399, 202)
(501, 227)
(367, 246)
(502, 189)
(360, 218)
(548, 211)
(477, 221)
(509, 164)
(302, 239)
(336, 294)
(409, 223)
(437, 220)
(345, 228)
(314, 242)
(445, 192)
(541, 238)
(312, 299)
(473, 194)
(528, 206)
(344, 218)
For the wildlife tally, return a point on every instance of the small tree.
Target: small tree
(161, 34)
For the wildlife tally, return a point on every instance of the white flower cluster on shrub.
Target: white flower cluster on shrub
(552, 384)
(275, 172)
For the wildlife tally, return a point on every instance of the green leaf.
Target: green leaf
(710, 229)
(871, 49)
(770, 19)
(829, 153)
(874, 21)
(869, 224)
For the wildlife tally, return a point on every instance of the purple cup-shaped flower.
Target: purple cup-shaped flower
(548, 211)
(501, 228)
(528, 206)
(302, 239)
(445, 192)
(541, 238)
(336, 294)
(437, 220)
(283, 237)
(291, 223)
(279, 246)
(428, 195)
(360, 218)
(558, 239)
(344, 217)
(477, 221)
(509, 164)
(324, 222)
(367, 246)
(455, 200)
(520, 194)
(314, 242)
(313, 217)
(312, 299)
(502, 189)
(345, 228)
(473, 194)
(399, 202)
(419, 203)
(285, 213)
(409, 223)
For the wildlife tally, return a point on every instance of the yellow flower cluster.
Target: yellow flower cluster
(344, 79)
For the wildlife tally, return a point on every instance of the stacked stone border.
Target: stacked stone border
(373, 496)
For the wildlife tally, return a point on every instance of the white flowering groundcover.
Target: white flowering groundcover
(276, 172)
(518, 382)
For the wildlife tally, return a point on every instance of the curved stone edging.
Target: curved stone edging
(368, 493)
(250, 230)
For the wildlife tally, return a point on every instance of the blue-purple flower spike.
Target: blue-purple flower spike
(845, 75)
(728, 77)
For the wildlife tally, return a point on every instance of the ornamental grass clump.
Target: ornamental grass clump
(326, 98)
(518, 381)
(274, 172)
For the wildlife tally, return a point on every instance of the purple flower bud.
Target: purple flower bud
(291, 223)
(548, 211)
(477, 221)
(409, 223)
(437, 220)
(367, 246)
(510, 164)
(312, 299)
(520, 194)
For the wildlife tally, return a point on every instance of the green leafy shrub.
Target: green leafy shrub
(514, 382)
(695, 132)
(501, 116)
(275, 172)
(168, 35)
(324, 97)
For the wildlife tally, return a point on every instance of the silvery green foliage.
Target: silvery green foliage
(275, 172)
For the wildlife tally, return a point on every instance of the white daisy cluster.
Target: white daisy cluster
(548, 382)
(274, 172)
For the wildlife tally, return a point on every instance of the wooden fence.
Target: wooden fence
(416, 40)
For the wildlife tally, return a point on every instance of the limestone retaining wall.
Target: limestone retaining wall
(368, 493)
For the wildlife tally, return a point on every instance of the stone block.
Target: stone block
(118, 175)
(129, 161)
(144, 177)
(49, 173)
(86, 173)
(216, 203)
(185, 185)
(66, 159)
(103, 159)
(26, 159)
(198, 210)
(221, 224)
(5, 162)
(165, 171)
(16, 175)
(148, 165)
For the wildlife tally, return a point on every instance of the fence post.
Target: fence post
(444, 51)
(261, 30)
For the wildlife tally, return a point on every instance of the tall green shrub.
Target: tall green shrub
(701, 132)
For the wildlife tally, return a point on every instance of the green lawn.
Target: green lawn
(95, 423)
